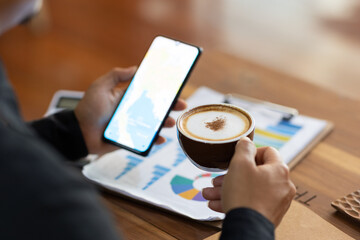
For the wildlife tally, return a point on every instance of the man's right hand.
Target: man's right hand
(256, 179)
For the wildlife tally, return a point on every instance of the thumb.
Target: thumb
(245, 152)
(117, 75)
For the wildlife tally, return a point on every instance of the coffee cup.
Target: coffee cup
(208, 134)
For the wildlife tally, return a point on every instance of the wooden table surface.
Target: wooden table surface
(87, 38)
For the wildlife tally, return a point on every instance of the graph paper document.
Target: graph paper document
(167, 179)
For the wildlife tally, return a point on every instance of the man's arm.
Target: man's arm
(44, 199)
(62, 131)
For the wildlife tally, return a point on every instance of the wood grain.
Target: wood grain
(175, 225)
(135, 227)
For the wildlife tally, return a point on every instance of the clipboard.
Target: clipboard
(325, 132)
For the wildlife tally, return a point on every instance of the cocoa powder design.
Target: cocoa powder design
(216, 124)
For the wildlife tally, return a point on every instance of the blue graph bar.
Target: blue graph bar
(180, 157)
(280, 130)
(156, 148)
(284, 128)
(159, 171)
(290, 125)
(133, 162)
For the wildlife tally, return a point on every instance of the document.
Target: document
(167, 179)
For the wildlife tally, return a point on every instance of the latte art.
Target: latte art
(208, 134)
(215, 124)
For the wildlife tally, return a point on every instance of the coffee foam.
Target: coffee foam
(215, 124)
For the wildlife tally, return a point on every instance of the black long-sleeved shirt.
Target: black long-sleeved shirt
(42, 198)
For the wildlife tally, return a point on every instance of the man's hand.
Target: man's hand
(256, 179)
(98, 104)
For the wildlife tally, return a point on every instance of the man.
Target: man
(41, 198)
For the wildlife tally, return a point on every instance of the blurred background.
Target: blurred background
(71, 43)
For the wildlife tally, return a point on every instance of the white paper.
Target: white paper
(167, 179)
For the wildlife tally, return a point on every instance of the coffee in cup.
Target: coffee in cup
(208, 134)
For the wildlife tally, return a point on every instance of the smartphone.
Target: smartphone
(152, 92)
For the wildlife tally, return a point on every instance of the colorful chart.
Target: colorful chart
(135, 161)
(276, 136)
(158, 170)
(184, 187)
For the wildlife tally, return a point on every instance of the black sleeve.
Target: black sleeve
(245, 223)
(63, 132)
(42, 198)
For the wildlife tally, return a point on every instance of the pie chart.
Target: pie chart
(184, 187)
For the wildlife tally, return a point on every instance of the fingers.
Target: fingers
(218, 181)
(211, 193)
(215, 206)
(180, 105)
(117, 75)
(267, 155)
(160, 140)
(169, 122)
(286, 202)
(117, 94)
(124, 74)
(245, 152)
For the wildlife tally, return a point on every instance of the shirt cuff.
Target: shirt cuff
(246, 223)
(63, 132)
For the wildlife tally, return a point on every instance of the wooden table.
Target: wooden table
(330, 171)
(86, 39)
